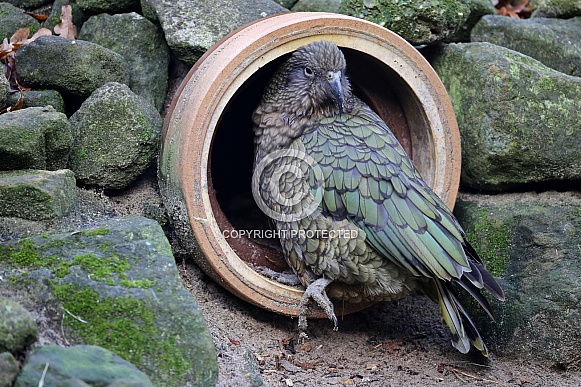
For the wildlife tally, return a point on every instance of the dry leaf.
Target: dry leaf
(5, 49)
(38, 16)
(17, 105)
(39, 33)
(519, 11)
(20, 35)
(8, 49)
(308, 365)
(9, 65)
(66, 28)
(19, 38)
(235, 342)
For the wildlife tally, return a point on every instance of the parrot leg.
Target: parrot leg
(290, 279)
(316, 292)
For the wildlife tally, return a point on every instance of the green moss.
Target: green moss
(107, 268)
(22, 282)
(53, 244)
(491, 238)
(102, 269)
(142, 283)
(96, 231)
(123, 325)
(404, 17)
(110, 268)
(28, 255)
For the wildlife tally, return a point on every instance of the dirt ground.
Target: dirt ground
(402, 343)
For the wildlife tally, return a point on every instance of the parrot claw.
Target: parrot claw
(290, 279)
(316, 292)
(303, 337)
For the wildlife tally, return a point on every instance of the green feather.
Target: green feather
(351, 179)
(392, 155)
(398, 186)
(427, 208)
(351, 200)
(364, 188)
(405, 212)
(451, 245)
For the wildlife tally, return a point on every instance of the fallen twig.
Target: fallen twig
(75, 317)
(456, 371)
(41, 381)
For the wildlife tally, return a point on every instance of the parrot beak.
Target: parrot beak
(336, 88)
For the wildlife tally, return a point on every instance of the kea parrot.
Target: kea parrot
(355, 219)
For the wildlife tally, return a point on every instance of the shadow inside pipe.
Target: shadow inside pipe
(232, 152)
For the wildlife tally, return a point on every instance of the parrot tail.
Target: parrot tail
(461, 326)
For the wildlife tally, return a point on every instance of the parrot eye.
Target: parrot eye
(308, 72)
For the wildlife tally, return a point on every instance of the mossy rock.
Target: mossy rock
(54, 17)
(316, 6)
(17, 327)
(116, 137)
(8, 369)
(27, 3)
(192, 27)
(519, 120)
(554, 42)
(107, 6)
(531, 243)
(120, 289)
(478, 9)
(142, 45)
(38, 98)
(418, 22)
(88, 364)
(34, 138)
(4, 91)
(74, 67)
(563, 9)
(12, 19)
(37, 194)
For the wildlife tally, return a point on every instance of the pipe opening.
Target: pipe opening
(232, 151)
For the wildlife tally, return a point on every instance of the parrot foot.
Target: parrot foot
(315, 292)
(290, 279)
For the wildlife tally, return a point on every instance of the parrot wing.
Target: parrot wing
(371, 181)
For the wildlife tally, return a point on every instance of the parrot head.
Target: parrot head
(315, 76)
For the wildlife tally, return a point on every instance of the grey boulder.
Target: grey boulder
(116, 137)
(88, 364)
(34, 138)
(191, 27)
(17, 326)
(519, 119)
(418, 22)
(141, 44)
(12, 19)
(37, 194)
(38, 98)
(116, 286)
(531, 242)
(72, 66)
(554, 42)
